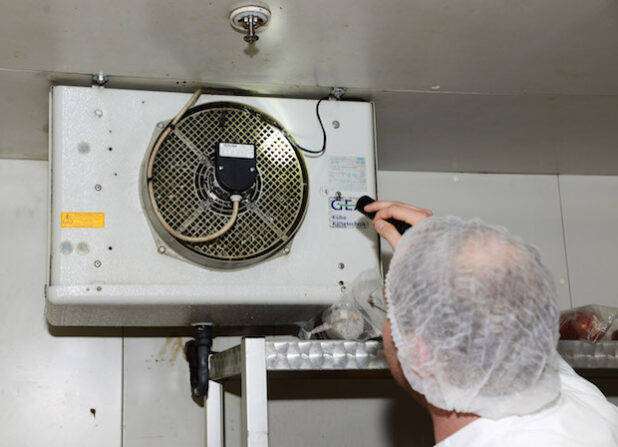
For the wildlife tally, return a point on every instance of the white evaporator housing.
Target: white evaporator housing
(131, 188)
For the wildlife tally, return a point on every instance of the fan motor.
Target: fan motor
(185, 194)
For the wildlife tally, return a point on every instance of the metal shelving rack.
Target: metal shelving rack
(254, 358)
(586, 355)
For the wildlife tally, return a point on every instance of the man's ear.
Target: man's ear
(416, 352)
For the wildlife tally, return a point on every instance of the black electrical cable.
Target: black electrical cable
(300, 148)
(309, 151)
(317, 113)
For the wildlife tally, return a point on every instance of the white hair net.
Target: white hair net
(474, 317)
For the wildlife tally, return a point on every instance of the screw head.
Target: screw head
(98, 187)
(99, 288)
(161, 249)
(338, 92)
(341, 265)
(98, 113)
(286, 250)
(97, 263)
(336, 124)
(100, 78)
(160, 125)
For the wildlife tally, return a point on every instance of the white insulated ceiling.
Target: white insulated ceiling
(474, 85)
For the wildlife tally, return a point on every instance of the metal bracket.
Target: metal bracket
(197, 352)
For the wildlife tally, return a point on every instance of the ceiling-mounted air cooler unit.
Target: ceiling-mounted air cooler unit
(211, 214)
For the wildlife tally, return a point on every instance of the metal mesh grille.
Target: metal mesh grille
(191, 202)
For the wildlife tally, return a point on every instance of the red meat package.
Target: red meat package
(590, 323)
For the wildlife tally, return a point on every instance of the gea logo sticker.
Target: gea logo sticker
(342, 213)
(341, 204)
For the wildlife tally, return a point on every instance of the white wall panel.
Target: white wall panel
(526, 134)
(590, 207)
(343, 412)
(55, 391)
(373, 413)
(24, 115)
(56, 380)
(158, 409)
(528, 205)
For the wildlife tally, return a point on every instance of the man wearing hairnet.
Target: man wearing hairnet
(472, 330)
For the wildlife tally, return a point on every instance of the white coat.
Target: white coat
(580, 417)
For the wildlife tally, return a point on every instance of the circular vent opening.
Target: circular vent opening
(184, 192)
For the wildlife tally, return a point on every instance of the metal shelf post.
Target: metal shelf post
(213, 404)
(254, 393)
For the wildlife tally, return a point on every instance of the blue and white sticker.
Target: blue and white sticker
(347, 173)
(342, 213)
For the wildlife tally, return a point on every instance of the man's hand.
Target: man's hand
(397, 210)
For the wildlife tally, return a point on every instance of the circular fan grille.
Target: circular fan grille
(188, 198)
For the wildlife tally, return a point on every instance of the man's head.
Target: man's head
(474, 318)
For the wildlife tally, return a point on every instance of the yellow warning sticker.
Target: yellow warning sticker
(82, 220)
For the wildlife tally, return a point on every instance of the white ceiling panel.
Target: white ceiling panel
(553, 46)
(540, 78)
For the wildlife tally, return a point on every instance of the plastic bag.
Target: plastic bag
(590, 323)
(358, 315)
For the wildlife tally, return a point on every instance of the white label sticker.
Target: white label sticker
(236, 150)
(342, 213)
(347, 173)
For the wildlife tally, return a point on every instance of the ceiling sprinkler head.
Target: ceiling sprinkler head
(248, 19)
